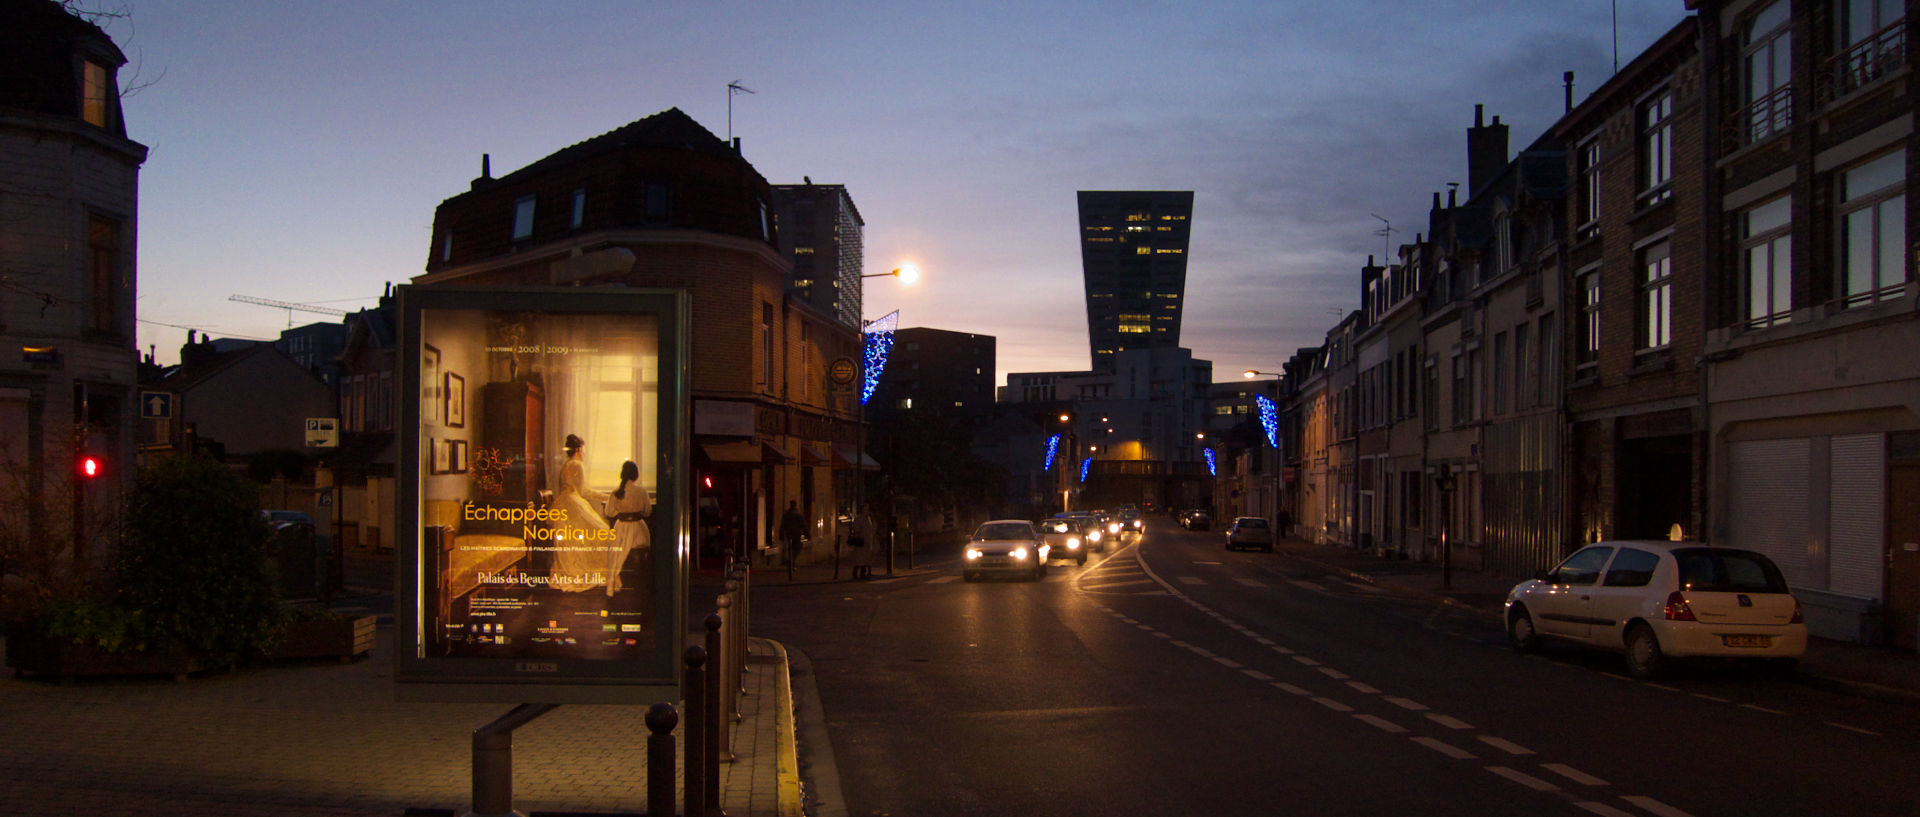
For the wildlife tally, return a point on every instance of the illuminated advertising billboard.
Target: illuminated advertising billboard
(542, 468)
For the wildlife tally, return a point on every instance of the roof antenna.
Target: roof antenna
(1616, 35)
(734, 89)
(1385, 233)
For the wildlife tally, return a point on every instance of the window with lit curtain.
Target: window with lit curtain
(1873, 215)
(1589, 346)
(1656, 297)
(96, 88)
(1656, 148)
(1767, 255)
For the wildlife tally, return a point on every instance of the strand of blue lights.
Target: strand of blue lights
(1085, 466)
(1269, 419)
(1053, 448)
(1213, 461)
(879, 342)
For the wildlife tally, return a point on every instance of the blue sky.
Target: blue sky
(299, 149)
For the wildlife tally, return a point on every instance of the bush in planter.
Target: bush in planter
(196, 563)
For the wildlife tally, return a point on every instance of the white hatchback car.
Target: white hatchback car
(1009, 546)
(1655, 600)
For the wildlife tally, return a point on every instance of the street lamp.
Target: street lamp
(1253, 373)
(907, 273)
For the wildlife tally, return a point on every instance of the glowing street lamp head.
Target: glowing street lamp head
(908, 272)
(1250, 374)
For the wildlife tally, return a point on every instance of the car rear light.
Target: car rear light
(1677, 607)
(1798, 617)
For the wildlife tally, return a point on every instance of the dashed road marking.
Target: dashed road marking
(1332, 704)
(1655, 806)
(1256, 675)
(1191, 580)
(1381, 723)
(1664, 686)
(1714, 698)
(1289, 688)
(1306, 661)
(1505, 745)
(1855, 729)
(1602, 809)
(1334, 674)
(1263, 641)
(1162, 635)
(1406, 704)
(1758, 708)
(1449, 750)
(1448, 721)
(1252, 582)
(1227, 662)
(1573, 774)
(1523, 778)
(1279, 649)
(943, 579)
(1146, 627)
(1303, 583)
(1363, 689)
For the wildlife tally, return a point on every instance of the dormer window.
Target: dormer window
(96, 89)
(523, 218)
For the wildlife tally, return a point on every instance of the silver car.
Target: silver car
(1250, 532)
(1006, 546)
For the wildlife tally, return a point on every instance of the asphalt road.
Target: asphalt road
(1173, 677)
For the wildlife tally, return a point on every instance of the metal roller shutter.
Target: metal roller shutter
(1857, 527)
(1768, 502)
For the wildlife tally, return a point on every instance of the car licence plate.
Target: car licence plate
(1761, 641)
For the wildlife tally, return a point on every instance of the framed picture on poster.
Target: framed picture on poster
(455, 410)
(429, 384)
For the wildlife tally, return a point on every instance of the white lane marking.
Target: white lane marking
(1306, 661)
(1203, 652)
(1381, 723)
(1252, 582)
(1713, 698)
(1332, 704)
(1105, 585)
(1263, 641)
(1364, 588)
(1655, 806)
(1334, 673)
(1603, 809)
(1573, 774)
(1129, 620)
(1193, 580)
(1182, 644)
(1363, 688)
(1279, 649)
(1303, 583)
(1162, 635)
(1227, 662)
(1450, 751)
(1448, 721)
(1613, 675)
(1855, 729)
(1762, 709)
(1206, 563)
(1057, 577)
(1256, 675)
(1406, 704)
(1289, 688)
(1523, 778)
(943, 579)
(1505, 745)
(1145, 627)
(1664, 686)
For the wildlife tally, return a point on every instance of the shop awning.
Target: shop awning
(745, 452)
(814, 454)
(845, 454)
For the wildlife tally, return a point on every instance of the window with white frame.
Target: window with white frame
(523, 218)
(1589, 186)
(1656, 296)
(1656, 148)
(1589, 346)
(1873, 234)
(1766, 243)
(1766, 52)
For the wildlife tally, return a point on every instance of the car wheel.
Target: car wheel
(1520, 631)
(1644, 658)
(1083, 558)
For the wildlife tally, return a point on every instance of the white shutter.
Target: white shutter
(1768, 502)
(1857, 500)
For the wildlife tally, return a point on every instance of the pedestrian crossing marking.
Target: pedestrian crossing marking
(1192, 580)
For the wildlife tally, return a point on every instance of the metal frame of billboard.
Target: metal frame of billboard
(425, 666)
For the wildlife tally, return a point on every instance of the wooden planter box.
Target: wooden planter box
(36, 655)
(336, 638)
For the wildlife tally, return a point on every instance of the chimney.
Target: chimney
(1568, 79)
(1486, 151)
(736, 145)
(1453, 194)
(1436, 200)
(486, 172)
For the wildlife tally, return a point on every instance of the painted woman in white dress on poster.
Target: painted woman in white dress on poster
(627, 508)
(579, 560)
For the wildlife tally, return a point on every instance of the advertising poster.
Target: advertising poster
(546, 551)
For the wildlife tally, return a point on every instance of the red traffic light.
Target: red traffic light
(90, 466)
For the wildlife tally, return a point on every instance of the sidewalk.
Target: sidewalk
(329, 739)
(1875, 672)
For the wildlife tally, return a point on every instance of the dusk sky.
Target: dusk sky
(299, 149)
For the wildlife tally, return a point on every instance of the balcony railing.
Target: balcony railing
(1761, 118)
(1863, 62)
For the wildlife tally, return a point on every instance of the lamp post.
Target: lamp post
(908, 274)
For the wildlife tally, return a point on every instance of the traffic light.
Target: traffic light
(91, 466)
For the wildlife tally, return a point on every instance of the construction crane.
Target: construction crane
(287, 305)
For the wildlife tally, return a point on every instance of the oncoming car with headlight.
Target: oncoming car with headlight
(1010, 546)
(1065, 539)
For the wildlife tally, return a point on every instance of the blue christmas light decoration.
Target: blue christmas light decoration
(1213, 461)
(1269, 419)
(1085, 466)
(879, 342)
(1053, 448)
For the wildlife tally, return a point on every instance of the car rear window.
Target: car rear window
(1728, 571)
(1005, 530)
(1057, 526)
(1251, 523)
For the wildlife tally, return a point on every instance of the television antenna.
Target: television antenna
(734, 89)
(287, 305)
(1386, 238)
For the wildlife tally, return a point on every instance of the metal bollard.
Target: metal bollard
(694, 737)
(745, 604)
(660, 763)
(493, 760)
(717, 704)
(733, 617)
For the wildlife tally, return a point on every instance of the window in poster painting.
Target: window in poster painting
(609, 397)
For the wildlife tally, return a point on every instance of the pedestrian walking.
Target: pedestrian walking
(859, 541)
(793, 528)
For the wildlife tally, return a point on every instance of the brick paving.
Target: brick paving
(329, 739)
